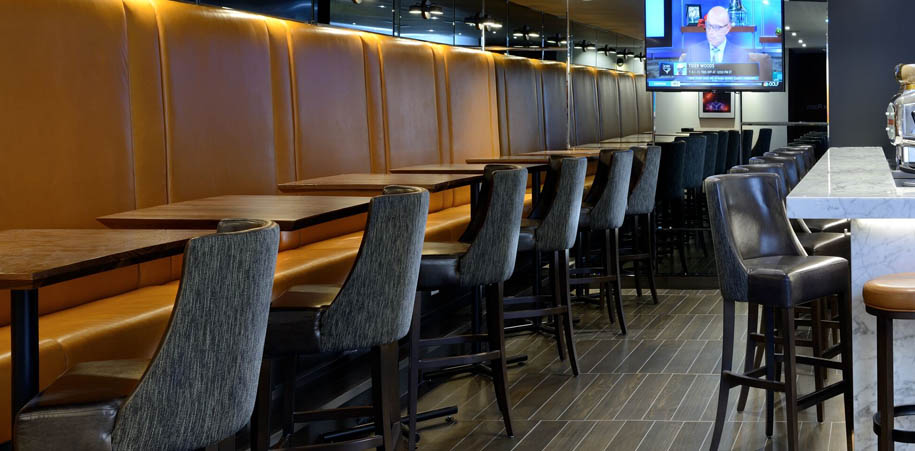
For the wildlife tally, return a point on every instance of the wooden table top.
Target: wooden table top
(585, 153)
(457, 168)
(538, 158)
(290, 212)
(377, 182)
(31, 258)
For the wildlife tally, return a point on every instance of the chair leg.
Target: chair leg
(260, 419)
(413, 378)
(724, 388)
(770, 367)
(386, 395)
(790, 378)
(636, 247)
(652, 256)
(605, 286)
(555, 277)
(885, 396)
(496, 335)
(580, 253)
(288, 397)
(563, 277)
(613, 237)
(843, 303)
(819, 373)
(748, 360)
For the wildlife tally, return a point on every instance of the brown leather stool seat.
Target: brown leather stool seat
(892, 292)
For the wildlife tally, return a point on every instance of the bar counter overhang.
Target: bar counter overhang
(856, 183)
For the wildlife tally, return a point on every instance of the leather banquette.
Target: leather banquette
(112, 105)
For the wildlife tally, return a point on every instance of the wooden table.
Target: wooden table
(633, 140)
(590, 154)
(30, 259)
(289, 212)
(533, 168)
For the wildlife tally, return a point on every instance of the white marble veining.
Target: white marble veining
(851, 182)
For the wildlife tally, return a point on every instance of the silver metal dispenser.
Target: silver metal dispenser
(900, 118)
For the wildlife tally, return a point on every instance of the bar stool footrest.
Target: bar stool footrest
(899, 435)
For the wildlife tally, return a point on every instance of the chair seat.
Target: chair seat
(828, 225)
(826, 243)
(786, 281)
(439, 265)
(527, 239)
(892, 292)
(294, 325)
(584, 217)
(78, 410)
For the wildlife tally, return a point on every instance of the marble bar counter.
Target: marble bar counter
(856, 183)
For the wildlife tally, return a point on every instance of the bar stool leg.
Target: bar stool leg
(885, 382)
(260, 419)
(770, 367)
(413, 383)
(495, 315)
(724, 388)
(556, 272)
(819, 373)
(386, 395)
(652, 255)
(751, 355)
(790, 378)
(843, 301)
(563, 280)
(636, 247)
(612, 237)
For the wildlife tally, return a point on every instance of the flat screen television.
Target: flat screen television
(714, 45)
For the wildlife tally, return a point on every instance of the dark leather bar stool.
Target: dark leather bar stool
(721, 166)
(806, 151)
(371, 310)
(792, 176)
(890, 297)
(185, 397)
(669, 195)
(746, 146)
(760, 261)
(643, 184)
(733, 158)
(799, 159)
(484, 256)
(552, 228)
(604, 211)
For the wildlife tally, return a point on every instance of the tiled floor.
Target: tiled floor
(655, 389)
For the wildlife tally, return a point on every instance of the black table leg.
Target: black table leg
(24, 336)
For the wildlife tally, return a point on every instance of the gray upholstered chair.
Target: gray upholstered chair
(643, 185)
(199, 388)
(371, 310)
(670, 196)
(746, 146)
(484, 256)
(792, 176)
(604, 211)
(763, 141)
(760, 261)
(721, 165)
(551, 228)
(733, 158)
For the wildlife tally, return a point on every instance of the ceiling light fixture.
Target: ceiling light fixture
(526, 32)
(483, 21)
(426, 9)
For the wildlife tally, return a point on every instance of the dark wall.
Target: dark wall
(866, 41)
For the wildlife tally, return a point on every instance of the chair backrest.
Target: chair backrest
(672, 174)
(746, 145)
(559, 225)
(200, 385)
(643, 182)
(610, 193)
(792, 177)
(733, 158)
(375, 304)
(763, 142)
(762, 168)
(721, 166)
(798, 156)
(494, 227)
(695, 161)
(711, 153)
(810, 156)
(748, 220)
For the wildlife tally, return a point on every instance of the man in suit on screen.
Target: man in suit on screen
(716, 48)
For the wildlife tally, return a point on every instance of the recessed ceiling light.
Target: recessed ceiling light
(800, 41)
(793, 33)
(803, 45)
(787, 27)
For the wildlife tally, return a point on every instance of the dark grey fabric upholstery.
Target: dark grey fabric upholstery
(672, 172)
(695, 161)
(733, 158)
(558, 228)
(200, 386)
(758, 256)
(375, 304)
(646, 163)
(746, 146)
(710, 161)
(762, 142)
(606, 200)
(721, 166)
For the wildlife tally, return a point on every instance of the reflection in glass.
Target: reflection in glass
(427, 27)
(375, 16)
(301, 10)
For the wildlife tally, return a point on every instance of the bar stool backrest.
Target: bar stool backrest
(646, 162)
(765, 168)
(733, 158)
(496, 225)
(810, 156)
(799, 159)
(748, 220)
(201, 384)
(694, 161)
(559, 226)
(762, 142)
(711, 154)
(792, 177)
(375, 303)
(721, 166)
(610, 189)
(672, 174)
(747, 144)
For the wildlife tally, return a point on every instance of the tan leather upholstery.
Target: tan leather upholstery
(471, 98)
(629, 111)
(608, 102)
(520, 105)
(555, 105)
(643, 98)
(892, 292)
(585, 112)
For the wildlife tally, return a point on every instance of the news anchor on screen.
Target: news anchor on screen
(716, 48)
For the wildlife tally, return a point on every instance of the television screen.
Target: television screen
(721, 45)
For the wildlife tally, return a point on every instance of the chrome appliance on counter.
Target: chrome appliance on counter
(900, 118)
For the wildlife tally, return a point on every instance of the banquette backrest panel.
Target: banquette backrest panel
(471, 104)
(65, 105)
(219, 105)
(555, 104)
(520, 97)
(629, 114)
(608, 100)
(333, 132)
(585, 113)
(644, 104)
